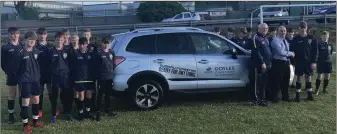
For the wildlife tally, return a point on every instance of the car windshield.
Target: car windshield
(272, 9)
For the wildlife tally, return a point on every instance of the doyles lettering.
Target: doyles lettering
(224, 68)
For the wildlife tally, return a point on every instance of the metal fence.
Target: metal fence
(230, 22)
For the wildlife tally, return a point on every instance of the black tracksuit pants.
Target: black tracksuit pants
(280, 76)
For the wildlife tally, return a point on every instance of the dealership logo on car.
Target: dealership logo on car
(224, 68)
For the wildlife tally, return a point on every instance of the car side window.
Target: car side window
(187, 15)
(178, 16)
(142, 44)
(173, 43)
(210, 44)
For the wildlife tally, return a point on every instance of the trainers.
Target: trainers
(38, 124)
(53, 120)
(10, 118)
(98, 116)
(57, 112)
(310, 98)
(70, 118)
(27, 129)
(40, 113)
(316, 92)
(292, 86)
(110, 114)
(297, 98)
(324, 91)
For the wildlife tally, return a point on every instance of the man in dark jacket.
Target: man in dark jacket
(261, 61)
(305, 47)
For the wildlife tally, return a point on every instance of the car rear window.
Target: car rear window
(142, 44)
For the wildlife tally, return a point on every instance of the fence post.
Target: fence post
(325, 20)
(76, 29)
(302, 17)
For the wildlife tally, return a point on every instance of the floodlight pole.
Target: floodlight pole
(261, 14)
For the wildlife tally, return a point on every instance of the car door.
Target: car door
(187, 17)
(178, 17)
(174, 59)
(215, 65)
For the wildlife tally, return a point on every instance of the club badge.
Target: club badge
(309, 41)
(110, 56)
(244, 42)
(35, 56)
(65, 55)
(89, 57)
(92, 48)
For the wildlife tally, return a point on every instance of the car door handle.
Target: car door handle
(203, 61)
(158, 61)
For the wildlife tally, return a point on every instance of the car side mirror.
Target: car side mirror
(234, 52)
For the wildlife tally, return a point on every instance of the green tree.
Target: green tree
(156, 11)
(26, 10)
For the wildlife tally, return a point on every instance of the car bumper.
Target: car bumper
(120, 82)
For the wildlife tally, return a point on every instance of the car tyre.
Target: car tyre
(146, 94)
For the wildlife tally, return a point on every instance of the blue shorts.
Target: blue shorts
(303, 68)
(79, 87)
(29, 89)
(60, 81)
(324, 68)
(12, 80)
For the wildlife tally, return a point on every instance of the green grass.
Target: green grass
(201, 113)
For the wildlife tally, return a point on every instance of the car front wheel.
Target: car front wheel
(147, 95)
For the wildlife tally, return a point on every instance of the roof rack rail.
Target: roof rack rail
(165, 28)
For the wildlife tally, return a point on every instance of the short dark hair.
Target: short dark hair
(272, 29)
(216, 29)
(290, 30)
(231, 29)
(41, 30)
(303, 25)
(65, 31)
(30, 35)
(86, 30)
(83, 40)
(249, 29)
(59, 35)
(243, 30)
(107, 39)
(13, 30)
(325, 33)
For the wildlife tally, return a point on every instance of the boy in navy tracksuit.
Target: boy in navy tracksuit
(8, 59)
(59, 56)
(104, 70)
(305, 48)
(324, 64)
(81, 61)
(28, 72)
(66, 34)
(241, 39)
(44, 47)
(91, 48)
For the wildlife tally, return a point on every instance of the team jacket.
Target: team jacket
(241, 42)
(81, 66)
(28, 68)
(8, 57)
(104, 64)
(43, 59)
(305, 48)
(261, 51)
(59, 61)
(325, 52)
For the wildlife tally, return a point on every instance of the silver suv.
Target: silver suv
(151, 61)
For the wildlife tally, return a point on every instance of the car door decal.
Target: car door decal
(177, 70)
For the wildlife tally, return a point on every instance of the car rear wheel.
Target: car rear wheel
(147, 95)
